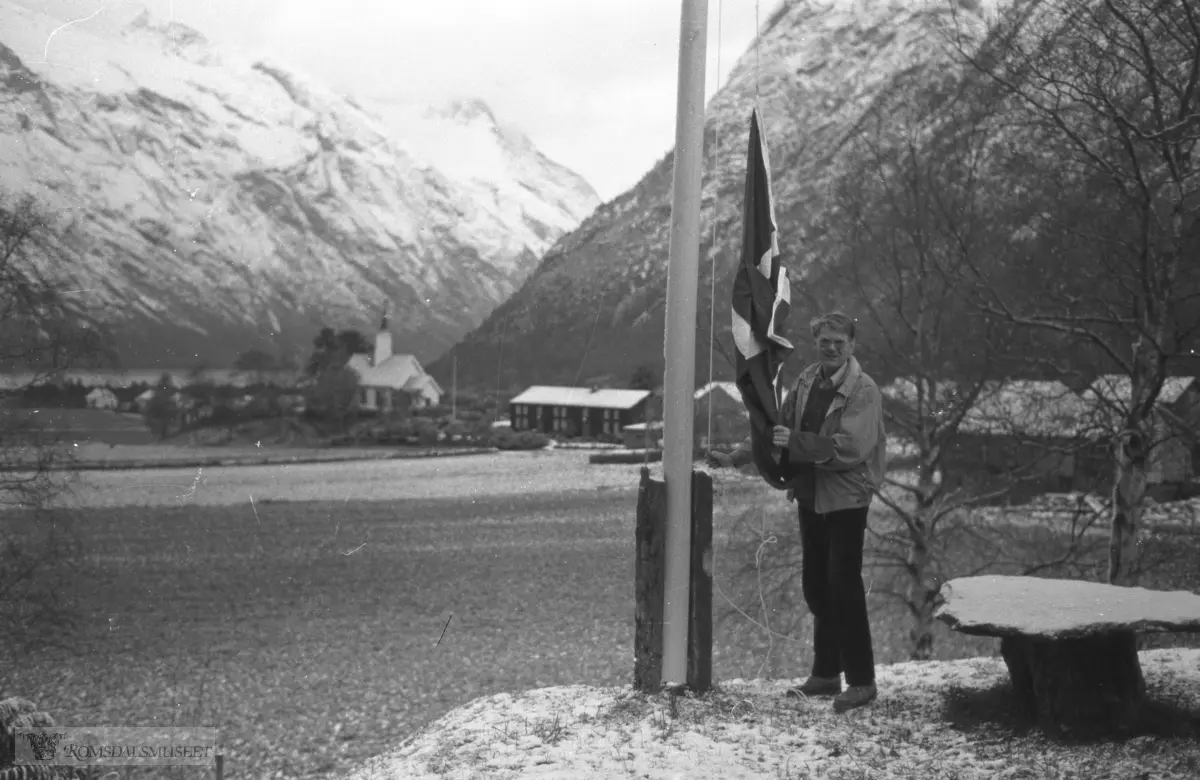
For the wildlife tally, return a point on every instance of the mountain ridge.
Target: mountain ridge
(209, 201)
(818, 69)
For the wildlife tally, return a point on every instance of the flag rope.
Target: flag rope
(713, 246)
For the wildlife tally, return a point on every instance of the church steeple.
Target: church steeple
(383, 341)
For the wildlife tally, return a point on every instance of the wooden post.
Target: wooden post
(649, 577)
(648, 583)
(220, 766)
(699, 666)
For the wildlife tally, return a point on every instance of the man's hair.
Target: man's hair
(835, 321)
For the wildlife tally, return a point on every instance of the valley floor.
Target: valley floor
(320, 615)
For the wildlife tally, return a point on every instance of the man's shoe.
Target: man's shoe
(816, 686)
(855, 696)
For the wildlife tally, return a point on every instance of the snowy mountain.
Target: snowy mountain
(595, 305)
(206, 201)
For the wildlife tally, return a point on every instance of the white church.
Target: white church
(389, 382)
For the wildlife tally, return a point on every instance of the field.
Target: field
(320, 613)
(90, 425)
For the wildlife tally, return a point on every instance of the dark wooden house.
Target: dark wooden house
(1175, 424)
(577, 411)
(1020, 439)
(730, 420)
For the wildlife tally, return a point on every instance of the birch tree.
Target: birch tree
(907, 222)
(43, 332)
(911, 213)
(1105, 122)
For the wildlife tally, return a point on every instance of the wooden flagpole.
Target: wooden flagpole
(679, 381)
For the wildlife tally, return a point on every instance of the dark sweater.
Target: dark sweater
(815, 408)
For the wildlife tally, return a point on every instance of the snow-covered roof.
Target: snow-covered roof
(656, 425)
(423, 382)
(395, 373)
(1118, 388)
(729, 388)
(547, 395)
(905, 390)
(1028, 407)
(1025, 407)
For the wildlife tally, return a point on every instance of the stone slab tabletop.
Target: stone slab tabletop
(998, 605)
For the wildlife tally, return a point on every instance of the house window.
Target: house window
(560, 418)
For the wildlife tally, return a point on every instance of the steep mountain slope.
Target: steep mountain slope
(595, 305)
(206, 201)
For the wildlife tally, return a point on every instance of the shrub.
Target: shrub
(426, 431)
(523, 440)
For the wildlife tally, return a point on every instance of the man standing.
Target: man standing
(834, 421)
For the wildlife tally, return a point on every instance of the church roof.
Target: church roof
(398, 372)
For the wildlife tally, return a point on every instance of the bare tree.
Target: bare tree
(44, 333)
(1105, 111)
(906, 222)
(163, 408)
(334, 392)
(909, 216)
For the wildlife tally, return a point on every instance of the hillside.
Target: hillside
(203, 201)
(595, 305)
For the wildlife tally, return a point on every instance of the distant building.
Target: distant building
(139, 403)
(390, 383)
(577, 411)
(1173, 422)
(730, 422)
(643, 434)
(1040, 430)
(1056, 438)
(102, 398)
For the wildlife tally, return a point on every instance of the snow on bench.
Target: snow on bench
(1070, 646)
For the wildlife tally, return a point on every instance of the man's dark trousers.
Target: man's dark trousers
(833, 589)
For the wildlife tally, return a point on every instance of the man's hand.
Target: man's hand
(719, 460)
(781, 435)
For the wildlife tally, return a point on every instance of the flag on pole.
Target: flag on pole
(761, 299)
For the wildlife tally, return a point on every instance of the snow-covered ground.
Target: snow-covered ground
(748, 729)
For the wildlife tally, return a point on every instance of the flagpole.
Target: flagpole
(680, 343)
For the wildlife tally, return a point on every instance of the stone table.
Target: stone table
(1070, 646)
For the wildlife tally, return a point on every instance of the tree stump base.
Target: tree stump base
(1078, 687)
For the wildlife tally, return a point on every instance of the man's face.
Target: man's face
(834, 348)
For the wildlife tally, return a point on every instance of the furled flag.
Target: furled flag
(761, 298)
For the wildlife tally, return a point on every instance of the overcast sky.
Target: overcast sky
(591, 82)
